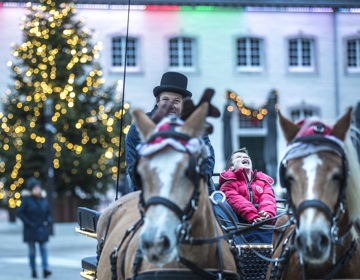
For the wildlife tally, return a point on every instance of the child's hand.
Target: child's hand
(264, 215)
(256, 220)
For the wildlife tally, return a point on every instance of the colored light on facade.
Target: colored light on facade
(196, 8)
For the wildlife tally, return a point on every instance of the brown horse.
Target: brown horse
(321, 174)
(158, 242)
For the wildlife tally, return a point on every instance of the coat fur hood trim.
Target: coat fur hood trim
(229, 175)
(26, 193)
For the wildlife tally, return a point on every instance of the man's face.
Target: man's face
(241, 160)
(167, 97)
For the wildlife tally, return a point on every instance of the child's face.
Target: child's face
(241, 160)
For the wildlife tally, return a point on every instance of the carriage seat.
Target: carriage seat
(87, 220)
(89, 263)
(89, 267)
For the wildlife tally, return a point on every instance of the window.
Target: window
(301, 55)
(249, 54)
(182, 53)
(304, 111)
(118, 53)
(353, 55)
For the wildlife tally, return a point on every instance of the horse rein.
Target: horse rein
(304, 146)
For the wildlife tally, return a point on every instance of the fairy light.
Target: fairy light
(258, 114)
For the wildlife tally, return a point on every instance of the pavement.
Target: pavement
(66, 248)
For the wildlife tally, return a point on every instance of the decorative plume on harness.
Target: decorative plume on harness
(312, 137)
(311, 128)
(166, 134)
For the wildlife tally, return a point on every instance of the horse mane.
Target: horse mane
(353, 182)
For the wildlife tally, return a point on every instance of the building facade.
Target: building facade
(303, 58)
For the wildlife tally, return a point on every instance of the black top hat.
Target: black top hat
(173, 82)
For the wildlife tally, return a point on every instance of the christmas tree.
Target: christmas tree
(57, 115)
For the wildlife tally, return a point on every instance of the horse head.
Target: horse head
(315, 173)
(171, 177)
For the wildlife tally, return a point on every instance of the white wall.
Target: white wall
(216, 33)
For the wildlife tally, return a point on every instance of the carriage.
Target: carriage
(252, 258)
(168, 230)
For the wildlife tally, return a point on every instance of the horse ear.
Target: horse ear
(195, 123)
(288, 127)
(144, 124)
(162, 111)
(341, 127)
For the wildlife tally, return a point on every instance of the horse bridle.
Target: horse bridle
(195, 172)
(307, 145)
(304, 146)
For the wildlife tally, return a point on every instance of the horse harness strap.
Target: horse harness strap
(167, 203)
(343, 260)
(180, 274)
(100, 247)
(279, 265)
(315, 203)
(169, 134)
(113, 255)
(218, 247)
(237, 230)
(203, 273)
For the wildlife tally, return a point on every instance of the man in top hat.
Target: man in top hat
(172, 88)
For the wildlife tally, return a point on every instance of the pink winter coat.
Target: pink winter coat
(235, 187)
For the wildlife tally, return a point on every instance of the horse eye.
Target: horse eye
(289, 179)
(337, 177)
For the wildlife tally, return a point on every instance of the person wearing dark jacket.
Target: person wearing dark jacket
(35, 214)
(172, 88)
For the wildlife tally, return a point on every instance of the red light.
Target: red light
(162, 7)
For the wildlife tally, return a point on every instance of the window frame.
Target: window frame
(249, 54)
(181, 55)
(300, 67)
(356, 69)
(303, 108)
(136, 53)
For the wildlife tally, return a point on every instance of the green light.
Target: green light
(205, 8)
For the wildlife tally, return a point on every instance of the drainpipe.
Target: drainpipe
(336, 63)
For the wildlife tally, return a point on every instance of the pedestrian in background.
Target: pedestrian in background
(35, 214)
